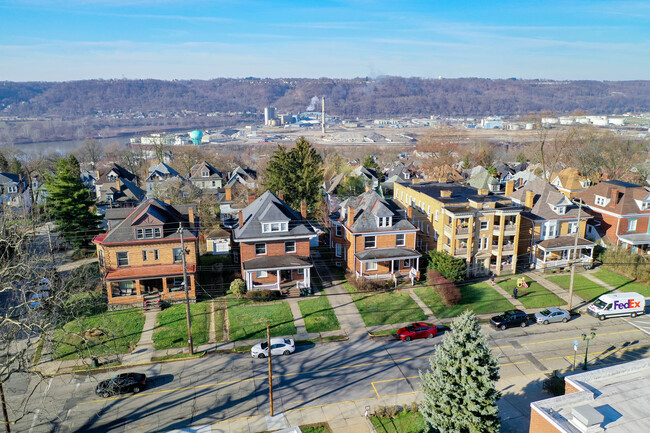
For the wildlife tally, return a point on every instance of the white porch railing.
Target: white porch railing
(273, 286)
(562, 263)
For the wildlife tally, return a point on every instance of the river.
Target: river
(65, 147)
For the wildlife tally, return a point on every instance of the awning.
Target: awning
(381, 254)
(635, 239)
(564, 243)
(273, 263)
(148, 272)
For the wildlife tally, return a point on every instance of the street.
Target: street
(228, 386)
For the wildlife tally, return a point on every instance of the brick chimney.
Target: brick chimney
(281, 195)
(510, 187)
(409, 213)
(416, 180)
(303, 209)
(350, 216)
(445, 193)
(368, 187)
(613, 195)
(190, 216)
(251, 197)
(530, 197)
(228, 193)
(241, 219)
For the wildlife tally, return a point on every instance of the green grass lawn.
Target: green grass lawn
(122, 330)
(318, 314)
(404, 422)
(478, 297)
(171, 326)
(582, 286)
(535, 296)
(622, 283)
(249, 321)
(386, 308)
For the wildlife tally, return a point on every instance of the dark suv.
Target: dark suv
(509, 319)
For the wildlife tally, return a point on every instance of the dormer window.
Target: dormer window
(384, 221)
(560, 210)
(111, 177)
(275, 227)
(600, 200)
(645, 205)
(148, 233)
(205, 173)
(109, 197)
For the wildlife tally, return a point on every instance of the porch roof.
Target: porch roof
(145, 272)
(563, 243)
(635, 239)
(277, 263)
(396, 253)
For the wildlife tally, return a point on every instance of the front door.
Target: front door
(285, 275)
(151, 286)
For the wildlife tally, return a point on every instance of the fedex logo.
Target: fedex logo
(631, 303)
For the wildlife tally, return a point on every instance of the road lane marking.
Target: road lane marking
(563, 339)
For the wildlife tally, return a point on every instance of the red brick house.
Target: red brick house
(273, 242)
(622, 209)
(372, 238)
(140, 257)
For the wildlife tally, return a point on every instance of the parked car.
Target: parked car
(417, 330)
(279, 346)
(509, 319)
(552, 315)
(124, 382)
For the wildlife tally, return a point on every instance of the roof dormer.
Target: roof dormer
(644, 204)
(599, 200)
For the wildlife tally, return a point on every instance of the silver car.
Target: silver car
(551, 315)
(279, 346)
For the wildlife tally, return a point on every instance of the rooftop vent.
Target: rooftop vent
(587, 419)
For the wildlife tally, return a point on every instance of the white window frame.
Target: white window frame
(122, 265)
(397, 240)
(275, 227)
(338, 250)
(573, 227)
(437, 214)
(261, 274)
(486, 223)
(366, 239)
(631, 224)
(370, 266)
(205, 173)
(260, 244)
(600, 200)
(288, 250)
(338, 231)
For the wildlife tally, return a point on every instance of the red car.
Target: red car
(417, 330)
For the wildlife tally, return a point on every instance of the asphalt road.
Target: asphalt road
(228, 386)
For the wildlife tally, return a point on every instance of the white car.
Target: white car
(279, 346)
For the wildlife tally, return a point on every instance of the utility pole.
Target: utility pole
(187, 296)
(268, 346)
(575, 253)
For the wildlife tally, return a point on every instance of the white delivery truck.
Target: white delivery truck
(617, 304)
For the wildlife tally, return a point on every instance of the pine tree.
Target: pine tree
(459, 389)
(70, 204)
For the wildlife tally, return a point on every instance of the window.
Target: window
(384, 221)
(427, 229)
(407, 264)
(122, 258)
(550, 230)
(573, 227)
(370, 241)
(483, 243)
(301, 271)
(148, 233)
(290, 247)
(176, 282)
(178, 255)
(645, 205)
(261, 274)
(260, 249)
(214, 183)
(401, 195)
(631, 225)
(371, 266)
(435, 234)
(205, 173)
(399, 240)
(144, 255)
(275, 227)
(126, 287)
(101, 258)
(600, 201)
(109, 197)
(437, 214)
(428, 210)
(338, 250)
(339, 230)
(484, 225)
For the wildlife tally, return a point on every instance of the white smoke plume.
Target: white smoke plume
(313, 104)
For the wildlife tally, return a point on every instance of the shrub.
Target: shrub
(448, 291)
(387, 411)
(380, 411)
(365, 285)
(449, 267)
(263, 295)
(415, 407)
(628, 263)
(238, 287)
(432, 275)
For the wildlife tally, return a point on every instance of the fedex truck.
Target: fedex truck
(617, 304)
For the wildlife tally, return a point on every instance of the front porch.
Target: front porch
(384, 262)
(638, 243)
(559, 253)
(282, 273)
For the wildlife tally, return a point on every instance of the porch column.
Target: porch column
(165, 290)
(307, 275)
(392, 267)
(138, 288)
(249, 283)
(277, 273)
(192, 286)
(417, 264)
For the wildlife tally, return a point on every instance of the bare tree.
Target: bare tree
(91, 151)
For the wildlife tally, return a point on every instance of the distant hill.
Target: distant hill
(358, 97)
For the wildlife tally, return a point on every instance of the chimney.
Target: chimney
(409, 213)
(251, 197)
(241, 219)
(613, 195)
(530, 197)
(190, 216)
(228, 193)
(281, 195)
(350, 216)
(510, 187)
(416, 180)
(368, 188)
(445, 193)
(303, 209)
(483, 191)
(167, 201)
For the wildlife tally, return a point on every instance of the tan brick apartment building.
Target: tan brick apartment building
(141, 256)
(468, 223)
(372, 238)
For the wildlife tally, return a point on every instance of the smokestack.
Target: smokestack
(322, 120)
(303, 209)
(241, 219)
(251, 197)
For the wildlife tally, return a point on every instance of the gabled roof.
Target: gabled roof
(161, 171)
(625, 201)
(331, 185)
(367, 207)
(121, 172)
(9, 178)
(546, 196)
(269, 208)
(569, 179)
(483, 180)
(365, 172)
(197, 171)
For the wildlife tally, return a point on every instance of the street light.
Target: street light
(587, 338)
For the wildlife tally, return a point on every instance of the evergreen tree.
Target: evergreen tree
(459, 389)
(4, 164)
(298, 173)
(70, 204)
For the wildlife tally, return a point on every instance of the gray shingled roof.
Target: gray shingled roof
(367, 207)
(387, 253)
(163, 171)
(122, 173)
(546, 195)
(197, 171)
(277, 262)
(269, 208)
(563, 242)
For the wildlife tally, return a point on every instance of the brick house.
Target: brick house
(140, 256)
(273, 243)
(622, 209)
(372, 237)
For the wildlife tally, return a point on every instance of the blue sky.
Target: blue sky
(78, 39)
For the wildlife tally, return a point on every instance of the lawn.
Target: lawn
(171, 326)
(121, 329)
(582, 286)
(622, 283)
(249, 321)
(535, 296)
(478, 297)
(318, 314)
(386, 308)
(404, 422)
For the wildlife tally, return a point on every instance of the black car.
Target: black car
(509, 319)
(125, 382)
